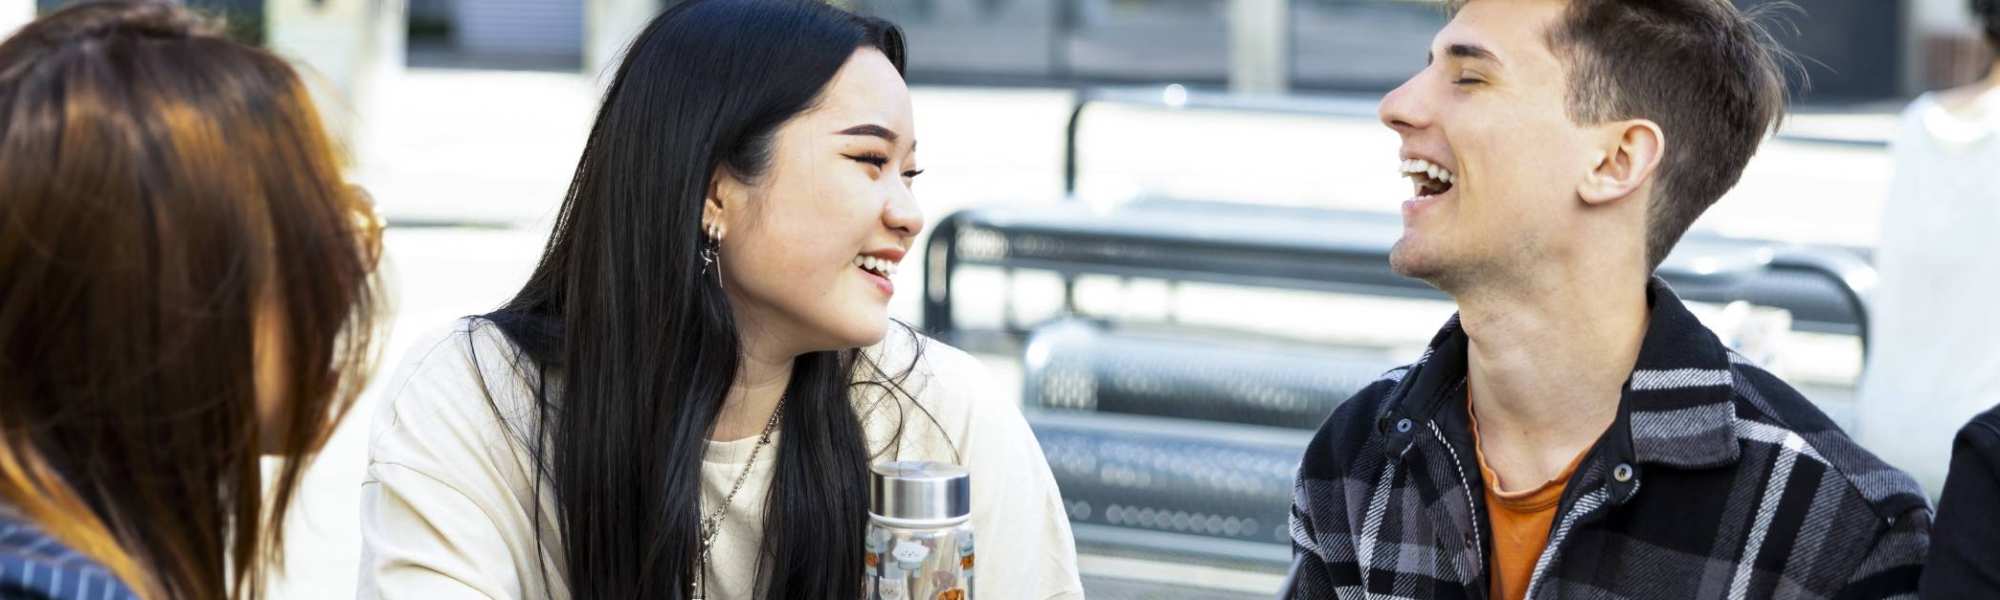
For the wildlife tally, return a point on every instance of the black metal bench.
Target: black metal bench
(1342, 251)
(1182, 446)
(1079, 366)
(1159, 487)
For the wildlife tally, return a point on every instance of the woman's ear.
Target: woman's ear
(724, 191)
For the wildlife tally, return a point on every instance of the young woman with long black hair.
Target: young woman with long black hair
(685, 397)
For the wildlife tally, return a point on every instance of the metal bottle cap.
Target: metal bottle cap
(920, 493)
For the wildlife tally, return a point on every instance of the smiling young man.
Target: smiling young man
(1574, 432)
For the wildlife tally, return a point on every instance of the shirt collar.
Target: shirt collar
(1677, 408)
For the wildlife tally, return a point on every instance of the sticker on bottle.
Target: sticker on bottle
(895, 588)
(910, 555)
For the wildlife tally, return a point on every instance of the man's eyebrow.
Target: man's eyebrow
(871, 130)
(1471, 51)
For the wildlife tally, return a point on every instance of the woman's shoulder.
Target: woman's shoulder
(35, 565)
(954, 393)
(930, 370)
(463, 341)
(458, 378)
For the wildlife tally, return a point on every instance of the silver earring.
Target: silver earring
(711, 257)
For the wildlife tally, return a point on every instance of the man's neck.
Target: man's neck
(1546, 365)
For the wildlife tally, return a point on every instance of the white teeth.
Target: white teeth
(878, 265)
(1417, 166)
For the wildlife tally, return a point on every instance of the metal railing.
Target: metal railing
(1826, 289)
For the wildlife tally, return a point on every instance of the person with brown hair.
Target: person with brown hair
(186, 286)
(1575, 432)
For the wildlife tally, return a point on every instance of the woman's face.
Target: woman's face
(810, 246)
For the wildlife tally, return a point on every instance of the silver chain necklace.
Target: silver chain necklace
(711, 525)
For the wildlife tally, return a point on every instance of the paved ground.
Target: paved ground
(469, 166)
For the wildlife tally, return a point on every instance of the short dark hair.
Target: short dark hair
(1707, 73)
(1988, 13)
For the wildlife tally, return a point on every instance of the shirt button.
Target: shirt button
(1622, 473)
(1403, 426)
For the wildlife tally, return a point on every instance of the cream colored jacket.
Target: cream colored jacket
(448, 505)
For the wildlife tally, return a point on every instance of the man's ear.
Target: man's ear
(1631, 155)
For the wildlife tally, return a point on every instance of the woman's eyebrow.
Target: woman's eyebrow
(871, 130)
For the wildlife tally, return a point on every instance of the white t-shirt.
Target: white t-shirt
(1932, 360)
(447, 507)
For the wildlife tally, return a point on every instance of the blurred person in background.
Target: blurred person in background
(186, 285)
(1965, 553)
(1934, 362)
(1574, 431)
(678, 403)
(1938, 274)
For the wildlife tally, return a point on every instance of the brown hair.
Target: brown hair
(172, 209)
(1708, 74)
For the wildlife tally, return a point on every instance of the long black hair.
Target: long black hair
(639, 345)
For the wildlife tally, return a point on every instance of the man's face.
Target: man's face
(1489, 116)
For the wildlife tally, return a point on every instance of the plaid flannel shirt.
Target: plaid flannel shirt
(1716, 480)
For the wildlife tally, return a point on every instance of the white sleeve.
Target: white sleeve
(1023, 545)
(443, 510)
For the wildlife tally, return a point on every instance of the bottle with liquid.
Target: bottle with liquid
(919, 541)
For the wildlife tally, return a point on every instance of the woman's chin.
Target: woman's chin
(861, 332)
(873, 334)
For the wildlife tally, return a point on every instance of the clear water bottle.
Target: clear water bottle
(919, 532)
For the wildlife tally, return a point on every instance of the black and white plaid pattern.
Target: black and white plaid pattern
(1716, 481)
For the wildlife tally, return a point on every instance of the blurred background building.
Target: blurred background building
(1859, 50)
(1209, 118)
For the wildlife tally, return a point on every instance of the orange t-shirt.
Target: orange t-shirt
(1520, 521)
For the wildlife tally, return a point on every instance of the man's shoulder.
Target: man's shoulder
(1983, 430)
(1770, 412)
